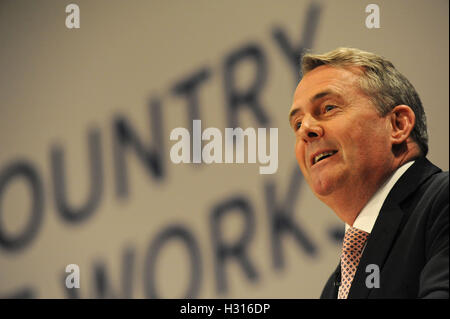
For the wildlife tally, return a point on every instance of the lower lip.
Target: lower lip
(323, 161)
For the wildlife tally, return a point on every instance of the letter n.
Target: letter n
(151, 155)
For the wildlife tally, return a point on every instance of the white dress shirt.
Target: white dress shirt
(368, 215)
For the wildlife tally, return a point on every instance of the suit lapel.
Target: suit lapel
(386, 227)
(336, 281)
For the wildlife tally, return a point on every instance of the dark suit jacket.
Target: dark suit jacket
(409, 241)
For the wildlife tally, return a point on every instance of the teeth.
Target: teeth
(318, 157)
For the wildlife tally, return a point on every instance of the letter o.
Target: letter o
(171, 233)
(26, 170)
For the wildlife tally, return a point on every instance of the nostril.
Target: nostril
(312, 134)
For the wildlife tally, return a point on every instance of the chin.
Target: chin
(322, 188)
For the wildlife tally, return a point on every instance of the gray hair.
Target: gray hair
(385, 86)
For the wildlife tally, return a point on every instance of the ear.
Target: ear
(402, 122)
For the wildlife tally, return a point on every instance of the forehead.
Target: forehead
(334, 80)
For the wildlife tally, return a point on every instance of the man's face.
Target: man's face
(342, 143)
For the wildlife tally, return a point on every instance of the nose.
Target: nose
(310, 129)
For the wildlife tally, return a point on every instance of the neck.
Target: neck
(348, 202)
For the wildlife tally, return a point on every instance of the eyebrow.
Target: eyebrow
(316, 97)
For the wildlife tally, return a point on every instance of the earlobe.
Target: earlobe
(402, 122)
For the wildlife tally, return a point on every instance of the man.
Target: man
(361, 142)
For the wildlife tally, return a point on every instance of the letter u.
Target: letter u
(68, 212)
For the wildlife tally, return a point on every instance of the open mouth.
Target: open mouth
(319, 157)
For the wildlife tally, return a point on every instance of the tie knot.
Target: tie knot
(354, 240)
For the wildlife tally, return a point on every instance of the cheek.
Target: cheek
(300, 153)
(368, 143)
(298, 149)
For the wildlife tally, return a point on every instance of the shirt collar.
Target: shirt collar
(368, 215)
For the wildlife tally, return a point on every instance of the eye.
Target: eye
(328, 108)
(298, 125)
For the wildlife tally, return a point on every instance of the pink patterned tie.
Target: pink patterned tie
(354, 241)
